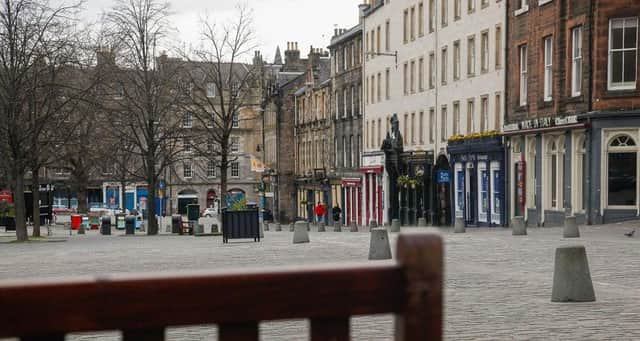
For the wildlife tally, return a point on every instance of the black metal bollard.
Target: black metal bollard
(130, 225)
(176, 224)
(105, 227)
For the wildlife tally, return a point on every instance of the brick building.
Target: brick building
(572, 110)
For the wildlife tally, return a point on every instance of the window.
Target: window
(457, 9)
(432, 16)
(352, 149)
(555, 171)
(498, 47)
(337, 97)
(413, 76)
(622, 174)
(484, 51)
(432, 124)
(368, 137)
(483, 191)
(548, 69)
(443, 124)
(522, 6)
(523, 75)
(421, 127)
(484, 114)
(471, 56)
(498, 112)
(432, 70)
(456, 118)
(443, 64)
(421, 74)
(387, 38)
(344, 99)
(186, 145)
(345, 56)
(405, 84)
(211, 169)
(444, 10)
(379, 141)
(532, 172)
(211, 90)
(187, 121)
(235, 169)
(576, 61)
(420, 19)
(235, 144)
(405, 123)
(413, 128)
(470, 115)
(235, 120)
(359, 99)
(377, 88)
(484, 3)
(471, 6)
(387, 85)
(373, 133)
(378, 39)
(405, 24)
(623, 53)
(413, 23)
(187, 172)
(366, 48)
(456, 60)
(579, 199)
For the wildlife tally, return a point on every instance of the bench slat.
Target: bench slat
(247, 331)
(143, 335)
(49, 337)
(330, 329)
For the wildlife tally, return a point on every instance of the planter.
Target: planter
(240, 224)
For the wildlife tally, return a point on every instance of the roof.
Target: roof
(349, 34)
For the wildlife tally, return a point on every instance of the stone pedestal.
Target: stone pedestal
(518, 227)
(395, 225)
(373, 224)
(353, 227)
(571, 229)
(266, 226)
(459, 226)
(379, 247)
(278, 227)
(422, 222)
(199, 229)
(301, 232)
(321, 227)
(337, 227)
(214, 228)
(291, 227)
(571, 276)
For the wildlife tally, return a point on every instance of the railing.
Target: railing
(142, 306)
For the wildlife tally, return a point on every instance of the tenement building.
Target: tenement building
(434, 92)
(573, 111)
(344, 174)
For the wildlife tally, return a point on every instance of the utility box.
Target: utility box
(193, 212)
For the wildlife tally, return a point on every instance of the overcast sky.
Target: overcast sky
(309, 22)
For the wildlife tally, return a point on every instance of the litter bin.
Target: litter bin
(120, 221)
(76, 221)
(105, 228)
(176, 223)
(130, 224)
(94, 221)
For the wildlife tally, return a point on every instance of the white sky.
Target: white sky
(309, 22)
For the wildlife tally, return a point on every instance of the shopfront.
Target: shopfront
(374, 190)
(478, 180)
(352, 194)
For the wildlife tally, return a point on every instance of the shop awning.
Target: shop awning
(372, 169)
(351, 182)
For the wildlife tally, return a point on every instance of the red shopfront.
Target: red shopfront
(351, 196)
(373, 198)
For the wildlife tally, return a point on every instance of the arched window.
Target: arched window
(555, 172)
(579, 173)
(622, 155)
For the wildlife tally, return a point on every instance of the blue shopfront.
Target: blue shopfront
(478, 181)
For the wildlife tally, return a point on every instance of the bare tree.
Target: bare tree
(223, 87)
(37, 52)
(146, 110)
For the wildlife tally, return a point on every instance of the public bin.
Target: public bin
(105, 228)
(94, 221)
(120, 221)
(130, 224)
(76, 221)
(176, 223)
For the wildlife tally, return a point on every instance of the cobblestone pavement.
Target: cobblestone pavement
(498, 287)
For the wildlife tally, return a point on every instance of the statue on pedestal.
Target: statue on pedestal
(392, 146)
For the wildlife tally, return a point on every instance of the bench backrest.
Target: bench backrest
(142, 306)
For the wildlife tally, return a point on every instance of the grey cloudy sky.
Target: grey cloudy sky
(309, 22)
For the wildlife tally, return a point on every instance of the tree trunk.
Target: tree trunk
(124, 195)
(82, 195)
(152, 229)
(223, 181)
(18, 196)
(35, 188)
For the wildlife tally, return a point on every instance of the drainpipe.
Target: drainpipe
(589, 131)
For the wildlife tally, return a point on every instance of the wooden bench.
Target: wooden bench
(142, 306)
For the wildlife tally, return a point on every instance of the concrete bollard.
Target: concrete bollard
(373, 224)
(308, 226)
(395, 225)
(81, 229)
(571, 229)
(278, 227)
(459, 226)
(353, 227)
(266, 226)
(214, 228)
(300, 234)
(379, 247)
(518, 228)
(422, 222)
(291, 227)
(261, 231)
(337, 227)
(321, 227)
(199, 229)
(571, 276)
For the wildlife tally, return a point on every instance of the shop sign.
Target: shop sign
(372, 160)
(542, 122)
(443, 176)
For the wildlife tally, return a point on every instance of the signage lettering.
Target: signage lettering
(542, 122)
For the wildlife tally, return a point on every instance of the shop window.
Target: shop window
(483, 192)
(496, 199)
(532, 176)
(555, 173)
(579, 173)
(622, 171)
(460, 180)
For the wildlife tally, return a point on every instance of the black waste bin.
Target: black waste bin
(105, 227)
(176, 223)
(130, 224)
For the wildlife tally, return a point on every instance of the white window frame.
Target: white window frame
(576, 61)
(548, 69)
(235, 144)
(187, 170)
(235, 169)
(211, 169)
(623, 85)
(523, 74)
(187, 121)
(211, 90)
(235, 120)
(523, 7)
